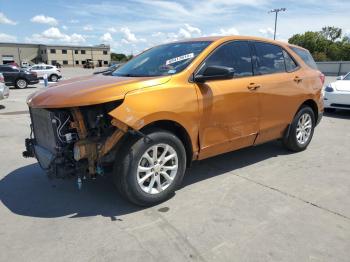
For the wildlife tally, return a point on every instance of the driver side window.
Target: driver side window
(233, 54)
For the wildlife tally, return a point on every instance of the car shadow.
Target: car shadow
(341, 114)
(27, 191)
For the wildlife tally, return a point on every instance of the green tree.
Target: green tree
(325, 45)
(331, 33)
(118, 57)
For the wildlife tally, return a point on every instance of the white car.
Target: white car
(4, 89)
(53, 74)
(337, 94)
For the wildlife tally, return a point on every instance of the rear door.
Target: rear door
(230, 111)
(278, 77)
(10, 74)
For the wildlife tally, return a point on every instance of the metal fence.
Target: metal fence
(334, 68)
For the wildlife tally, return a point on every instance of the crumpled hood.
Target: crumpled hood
(90, 90)
(342, 85)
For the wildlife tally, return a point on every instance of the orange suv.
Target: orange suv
(173, 104)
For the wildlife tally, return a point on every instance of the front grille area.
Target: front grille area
(44, 128)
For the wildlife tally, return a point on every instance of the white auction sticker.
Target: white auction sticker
(179, 58)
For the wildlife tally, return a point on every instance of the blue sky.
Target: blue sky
(131, 26)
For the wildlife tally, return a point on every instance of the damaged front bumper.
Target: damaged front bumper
(73, 142)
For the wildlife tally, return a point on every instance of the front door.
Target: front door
(230, 108)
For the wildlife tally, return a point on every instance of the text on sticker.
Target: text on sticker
(179, 58)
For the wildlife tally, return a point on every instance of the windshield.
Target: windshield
(347, 77)
(162, 60)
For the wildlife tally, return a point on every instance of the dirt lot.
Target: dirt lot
(256, 204)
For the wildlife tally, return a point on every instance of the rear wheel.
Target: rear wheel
(148, 172)
(21, 83)
(301, 130)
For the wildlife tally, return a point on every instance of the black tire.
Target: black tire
(21, 83)
(125, 173)
(290, 140)
(53, 78)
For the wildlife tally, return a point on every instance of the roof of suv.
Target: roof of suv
(237, 37)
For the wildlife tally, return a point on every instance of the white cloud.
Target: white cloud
(112, 29)
(192, 29)
(53, 33)
(5, 20)
(130, 37)
(74, 21)
(42, 19)
(64, 27)
(7, 38)
(228, 31)
(266, 32)
(88, 28)
(107, 37)
(184, 32)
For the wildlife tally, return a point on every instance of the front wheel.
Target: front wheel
(21, 83)
(148, 171)
(54, 78)
(301, 130)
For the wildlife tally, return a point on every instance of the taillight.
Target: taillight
(322, 77)
(2, 79)
(34, 73)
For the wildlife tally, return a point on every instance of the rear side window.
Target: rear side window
(269, 59)
(235, 55)
(306, 56)
(291, 65)
(8, 69)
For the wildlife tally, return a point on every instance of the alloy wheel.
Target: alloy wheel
(21, 83)
(304, 128)
(157, 168)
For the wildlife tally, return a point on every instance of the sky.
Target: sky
(131, 26)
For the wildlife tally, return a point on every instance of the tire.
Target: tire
(301, 130)
(143, 182)
(53, 78)
(21, 83)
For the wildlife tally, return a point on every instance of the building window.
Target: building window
(65, 62)
(42, 51)
(83, 62)
(105, 62)
(53, 62)
(53, 51)
(64, 51)
(105, 52)
(76, 52)
(82, 52)
(45, 51)
(77, 62)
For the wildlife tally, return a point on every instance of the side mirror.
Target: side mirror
(340, 77)
(215, 73)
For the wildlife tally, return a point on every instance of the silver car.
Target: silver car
(4, 90)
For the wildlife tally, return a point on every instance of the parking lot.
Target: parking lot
(257, 204)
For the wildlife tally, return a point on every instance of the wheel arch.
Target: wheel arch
(178, 130)
(313, 105)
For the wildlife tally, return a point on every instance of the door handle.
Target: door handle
(298, 79)
(253, 86)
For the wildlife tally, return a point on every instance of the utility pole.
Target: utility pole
(276, 11)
